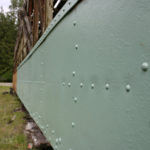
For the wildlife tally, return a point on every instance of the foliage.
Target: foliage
(8, 33)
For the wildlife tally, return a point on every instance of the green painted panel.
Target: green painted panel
(87, 85)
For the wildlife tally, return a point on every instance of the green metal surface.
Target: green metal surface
(87, 85)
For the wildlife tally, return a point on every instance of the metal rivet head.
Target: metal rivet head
(81, 85)
(73, 73)
(107, 86)
(128, 88)
(53, 131)
(55, 147)
(145, 66)
(92, 86)
(59, 140)
(49, 138)
(63, 83)
(76, 46)
(73, 124)
(75, 99)
(69, 84)
(74, 23)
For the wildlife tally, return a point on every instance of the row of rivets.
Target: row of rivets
(107, 86)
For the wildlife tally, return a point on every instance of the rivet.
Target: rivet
(145, 66)
(81, 85)
(59, 140)
(73, 73)
(69, 3)
(63, 10)
(107, 86)
(49, 138)
(128, 88)
(53, 131)
(75, 99)
(74, 23)
(56, 147)
(92, 86)
(63, 83)
(73, 124)
(69, 84)
(76, 46)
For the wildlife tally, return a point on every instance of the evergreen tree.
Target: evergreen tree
(8, 33)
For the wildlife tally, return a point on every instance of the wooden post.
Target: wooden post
(49, 11)
(35, 22)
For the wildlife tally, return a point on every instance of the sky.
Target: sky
(5, 4)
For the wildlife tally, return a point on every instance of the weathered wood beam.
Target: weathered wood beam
(35, 22)
(49, 11)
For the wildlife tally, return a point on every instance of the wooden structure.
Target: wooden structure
(34, 17)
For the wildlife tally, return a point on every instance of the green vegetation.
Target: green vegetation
(8, 30)
(8, 33)
(12, 122)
